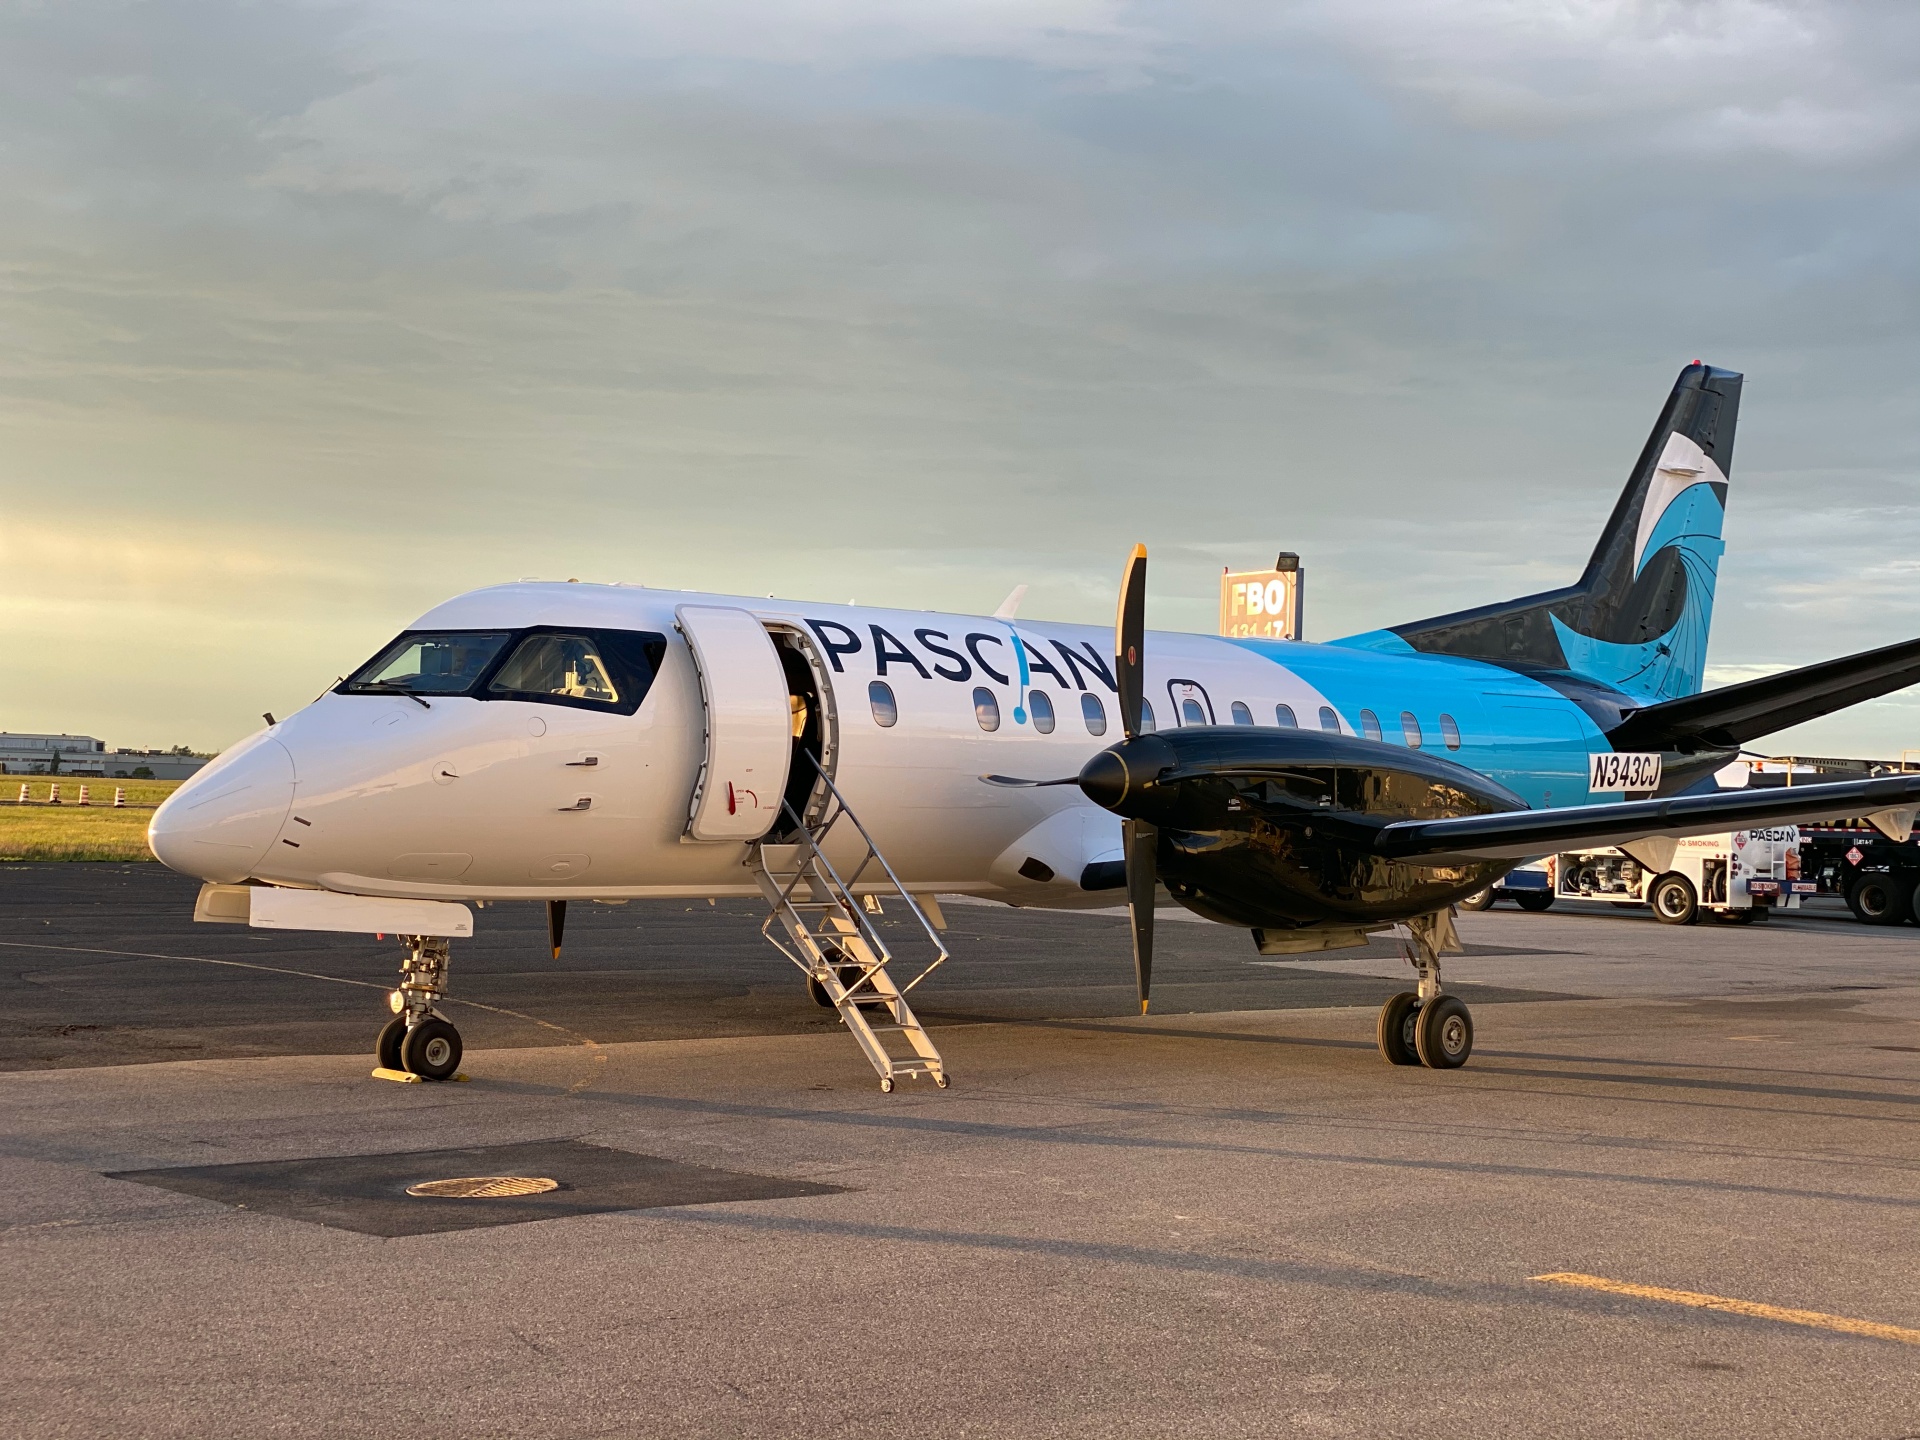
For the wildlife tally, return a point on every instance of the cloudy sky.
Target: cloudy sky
(312, 314)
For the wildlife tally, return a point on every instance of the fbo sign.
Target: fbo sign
(1262, 604)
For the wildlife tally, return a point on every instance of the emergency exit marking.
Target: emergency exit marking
(1615, 771)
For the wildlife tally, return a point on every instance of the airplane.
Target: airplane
(562, 742)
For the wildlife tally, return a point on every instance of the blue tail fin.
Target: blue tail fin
(1638, 618)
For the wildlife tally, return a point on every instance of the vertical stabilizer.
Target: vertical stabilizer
(1639, 616)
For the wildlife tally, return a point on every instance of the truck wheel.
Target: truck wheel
(1534, 900)
(1673, 900)
(1878, 899)
(1479, 900)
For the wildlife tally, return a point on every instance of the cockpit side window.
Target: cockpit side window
(592, 669)
(445, 662)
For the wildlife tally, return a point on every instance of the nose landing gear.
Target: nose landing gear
(1425, 1027)
(419, 1043)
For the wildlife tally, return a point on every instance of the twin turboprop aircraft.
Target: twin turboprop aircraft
(559, 742)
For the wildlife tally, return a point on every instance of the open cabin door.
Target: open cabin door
(743, 693)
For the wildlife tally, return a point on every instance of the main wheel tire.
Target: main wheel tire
(431, 1050)
(1673, 900)
(1443, 1034)
(1880, 899)
(1479, 900)
(1534, 900)
(386, 1050)
(1395, 1030)
(818, 993)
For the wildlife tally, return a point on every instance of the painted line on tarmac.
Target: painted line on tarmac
(1813, 1319)
(593, 1047)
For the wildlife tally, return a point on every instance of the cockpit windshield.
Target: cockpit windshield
(589, 669)
(446, 663)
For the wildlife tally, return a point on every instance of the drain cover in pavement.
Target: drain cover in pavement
(371, 1193)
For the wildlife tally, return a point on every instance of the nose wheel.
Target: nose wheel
(418, 1043)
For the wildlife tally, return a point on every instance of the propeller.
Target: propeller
(1106, 779)
(556, 924)
(1141, 840)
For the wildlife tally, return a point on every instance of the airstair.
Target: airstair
(824, 922)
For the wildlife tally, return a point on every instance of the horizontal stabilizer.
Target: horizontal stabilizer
(1528, 834)
(1729, 717)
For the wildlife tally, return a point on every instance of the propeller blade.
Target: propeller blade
(1142, 844)
(1129, 641)
(556, 924)
(1014, 782)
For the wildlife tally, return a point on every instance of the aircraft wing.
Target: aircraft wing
(1726, 718)
(1890, 803)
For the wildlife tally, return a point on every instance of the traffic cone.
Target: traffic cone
(119, 797)
(53, 794)
(85, 799)
(23, 794)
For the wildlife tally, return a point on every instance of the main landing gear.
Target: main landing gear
(419, 1042)
(1425, 1027)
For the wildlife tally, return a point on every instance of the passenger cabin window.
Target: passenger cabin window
(1328, 720)
(1283, 717)
(1094, 713)
(587, 669)
(1147, 723)
(986, 708)
(1241, 714)
(1449, 732)
(886, 711)
(1040, 706)
(444, 663)
(1369, 725)
(1410, 727)
(1191, 713)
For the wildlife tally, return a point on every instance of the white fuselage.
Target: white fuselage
(469, 798)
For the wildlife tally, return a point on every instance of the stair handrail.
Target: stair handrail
(847, 900)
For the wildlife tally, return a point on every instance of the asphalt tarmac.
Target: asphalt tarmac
(1229, 1218)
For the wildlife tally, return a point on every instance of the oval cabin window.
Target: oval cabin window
(880, 696)
(1094, 713)
(1283, 717)
(986, 709)
(1191, 713)
(1410, 727)
(1147, 723)
(1241, 714)
(1369, 725)
(1328, 720)
(1040, 704)
(1449, 732)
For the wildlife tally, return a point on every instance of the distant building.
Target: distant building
(85, 756)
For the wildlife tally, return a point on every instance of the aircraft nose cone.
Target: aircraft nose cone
(220, 823)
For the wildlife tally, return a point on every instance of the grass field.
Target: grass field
(39, 831)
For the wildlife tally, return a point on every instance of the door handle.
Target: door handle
(585, 802)
(586, 761)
